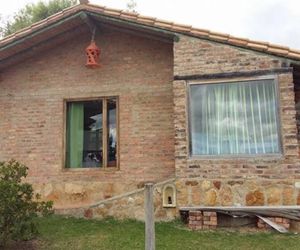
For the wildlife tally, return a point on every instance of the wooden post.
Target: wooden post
(149, 218)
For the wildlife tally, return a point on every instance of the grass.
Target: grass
(69, 233)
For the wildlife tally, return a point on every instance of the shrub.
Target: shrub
(18, 204)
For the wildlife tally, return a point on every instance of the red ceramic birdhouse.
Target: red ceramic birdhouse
(92, 54)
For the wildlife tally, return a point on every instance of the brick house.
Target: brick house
(209, 115)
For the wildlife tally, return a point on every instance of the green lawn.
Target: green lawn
(68, 233)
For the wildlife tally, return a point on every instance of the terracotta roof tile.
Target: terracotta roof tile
(125, 12)
(182, 27)
(278, 51)
(145, 19)
(200, 32)
(295, 50)
(219, 36)
(55, 15)
(276, 46)
(260, 42)
(158, 23)
(94, 6)
(89, 5)
(128, 16)
(112, 12)
(163, 23)
(257, 46)
(238, 41)
(293, 55)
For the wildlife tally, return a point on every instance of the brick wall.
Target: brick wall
(195, 56)
(31, 124)
(236, 181)
(136, 69)
(296, 80)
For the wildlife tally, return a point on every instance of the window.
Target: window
(91, 134)
(234, 118)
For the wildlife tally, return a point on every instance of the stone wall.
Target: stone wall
(195, 56)
(32, 95)
(237, 192)
(127, 205)
(233, 181)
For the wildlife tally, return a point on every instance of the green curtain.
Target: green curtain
(75, 135)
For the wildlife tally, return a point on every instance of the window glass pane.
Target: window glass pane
(234, 118)
(84, 134)
(112, 133)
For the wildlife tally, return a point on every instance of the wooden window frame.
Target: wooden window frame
(104, 100)
(237, 80)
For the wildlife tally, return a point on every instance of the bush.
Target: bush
(18, 204)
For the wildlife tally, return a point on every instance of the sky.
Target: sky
(274, 21)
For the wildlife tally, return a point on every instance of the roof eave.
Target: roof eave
(159, 27)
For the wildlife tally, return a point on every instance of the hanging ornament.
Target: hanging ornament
(92, 53)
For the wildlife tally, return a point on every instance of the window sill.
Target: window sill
(111, 169)
(278, 156)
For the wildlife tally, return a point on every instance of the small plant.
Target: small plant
(18, 204)
(131, 6)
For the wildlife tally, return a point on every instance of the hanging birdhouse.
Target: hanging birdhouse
(92, 54)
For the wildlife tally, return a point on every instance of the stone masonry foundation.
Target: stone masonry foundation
(126, 205)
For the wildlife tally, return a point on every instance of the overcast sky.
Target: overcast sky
(275, 21)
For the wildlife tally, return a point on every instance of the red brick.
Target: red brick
(207, 213)
(138, 70)
(213, 218)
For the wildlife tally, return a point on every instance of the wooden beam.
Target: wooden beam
(23, 54)
(39, 31)
(233, 74)
(134, 25)
(292, 212)
(136, 33)
(86, 18)
(238, 208)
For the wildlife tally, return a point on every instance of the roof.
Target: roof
(16, 41)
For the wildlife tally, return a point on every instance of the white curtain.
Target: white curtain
(234, 118)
